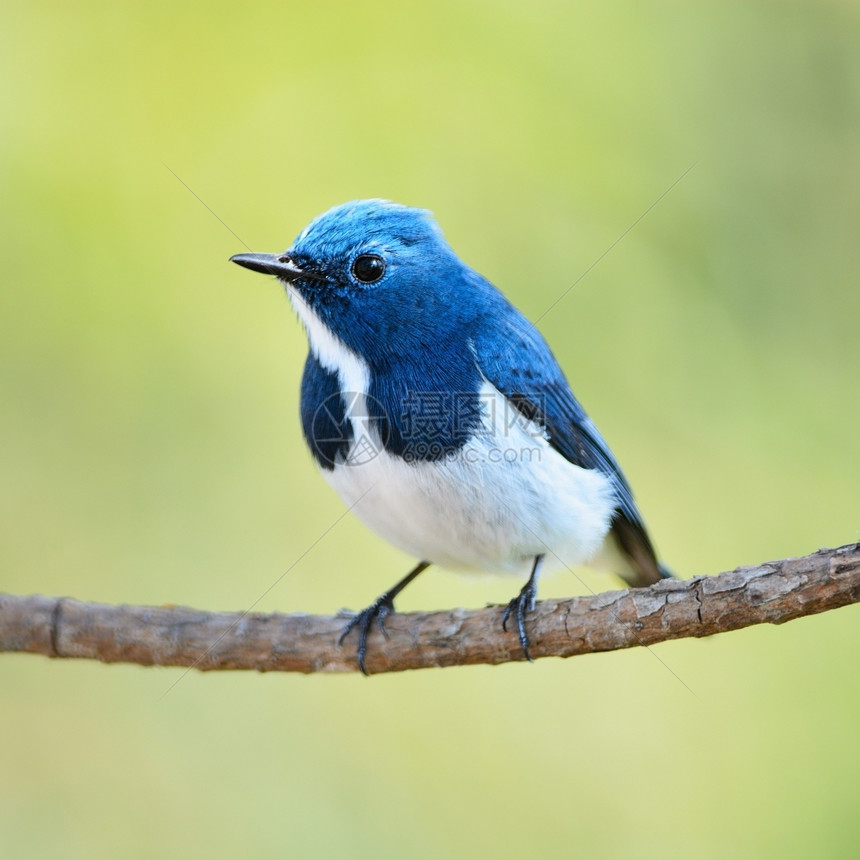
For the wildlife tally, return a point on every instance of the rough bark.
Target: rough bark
(773, 593)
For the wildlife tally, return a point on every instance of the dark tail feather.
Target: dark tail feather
(636, 547)
(666, 572)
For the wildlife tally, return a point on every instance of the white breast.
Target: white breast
(495, 504)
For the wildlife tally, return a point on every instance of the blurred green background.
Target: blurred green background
(150, 450)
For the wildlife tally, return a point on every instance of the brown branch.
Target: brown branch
(772, 593)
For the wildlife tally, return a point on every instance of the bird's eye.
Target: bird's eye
(368, 268)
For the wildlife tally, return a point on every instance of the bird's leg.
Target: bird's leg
(524, 602)
(380, 609)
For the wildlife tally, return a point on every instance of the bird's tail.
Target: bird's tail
(638, 565)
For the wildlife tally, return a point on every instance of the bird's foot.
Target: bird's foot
(378, 611)
(523, 603)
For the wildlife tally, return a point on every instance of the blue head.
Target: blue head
(381, 277)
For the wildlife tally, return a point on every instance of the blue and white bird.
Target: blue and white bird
(439, 414)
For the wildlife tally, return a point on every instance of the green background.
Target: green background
(150, 449)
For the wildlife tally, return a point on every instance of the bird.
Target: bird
(440, 416)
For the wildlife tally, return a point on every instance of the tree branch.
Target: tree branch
(772, 593)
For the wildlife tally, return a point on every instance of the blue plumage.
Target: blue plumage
(440, 413)
(327, 430)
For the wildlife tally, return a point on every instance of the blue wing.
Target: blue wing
(516, 359)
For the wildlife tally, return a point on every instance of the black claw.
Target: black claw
(379, 610)
(524, 602)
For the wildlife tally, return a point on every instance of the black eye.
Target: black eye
(368, 268)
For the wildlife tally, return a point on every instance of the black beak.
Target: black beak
(279, 265)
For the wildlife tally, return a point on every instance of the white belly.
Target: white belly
(504, 498)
